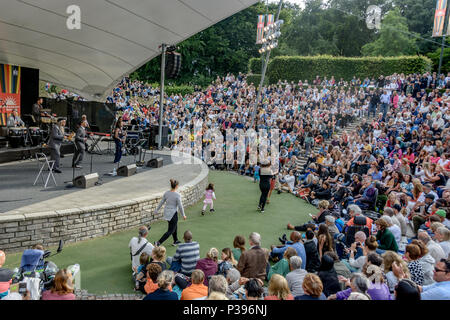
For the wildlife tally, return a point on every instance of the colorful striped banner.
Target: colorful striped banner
(10, 85)
(439, 18)
(260, 29)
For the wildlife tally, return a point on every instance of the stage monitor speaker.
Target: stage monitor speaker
(126, 171)
(155, 163)
(173, 64)
(86, 181)
(153, 136)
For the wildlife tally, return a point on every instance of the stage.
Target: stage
(18, 195)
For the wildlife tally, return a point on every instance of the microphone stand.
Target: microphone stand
(70, 184)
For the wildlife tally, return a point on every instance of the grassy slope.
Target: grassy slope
(105, 262)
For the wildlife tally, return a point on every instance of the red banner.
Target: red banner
(9, 102)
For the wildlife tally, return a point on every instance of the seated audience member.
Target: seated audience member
(368, 246)
(278, 289)
(253, 289)
(217, 288)
(165, 281)
(312, 253)
(312, 287)
(296, 243)
(233, 277)
(153, 271)
(5, 276)
(378, 289)
(238, 247)
(252, 263)
(385, 237)
(209, 264)
(282, 266)
(141, 273)
(197, 290)
(139, 245)
(295, 276)
(328, 276)
(407, 290)
(389, 258)
(434, 248)
(227, 262)
(62, 288)
(317, 219)
(395, 230)
(412, 256)
(442, 236)
(159, 257)
(427, 262)
(339, 266)
(358, 284)
(186, 256)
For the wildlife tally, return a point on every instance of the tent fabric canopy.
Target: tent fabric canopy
(116, 36)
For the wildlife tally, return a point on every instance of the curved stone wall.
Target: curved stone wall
(18, 232)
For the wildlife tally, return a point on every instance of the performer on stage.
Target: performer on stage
(36, 111)
(56, 138)
(80, 145)
(119, 139)
(14, 120)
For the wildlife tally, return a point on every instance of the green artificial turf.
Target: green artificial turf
(105, 262)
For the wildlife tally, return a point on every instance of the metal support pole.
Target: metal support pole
(263, 74)
(161, 98)
(444, 30)
(442, 55)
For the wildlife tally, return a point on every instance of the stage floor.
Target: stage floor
(19, 196)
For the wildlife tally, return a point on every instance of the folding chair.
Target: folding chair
(43, 162)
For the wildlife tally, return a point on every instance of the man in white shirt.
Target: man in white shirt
(138, 245)
(434, 248)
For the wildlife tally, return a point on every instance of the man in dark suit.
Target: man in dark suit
(56, 139)
(253, 262)
(80, 145)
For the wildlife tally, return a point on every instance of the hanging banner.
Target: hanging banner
(260, 29)
(9, 89)
(439, 18)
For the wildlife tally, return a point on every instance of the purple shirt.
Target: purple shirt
(376, 292)
(208, 266)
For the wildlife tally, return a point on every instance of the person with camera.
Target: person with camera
(359, 250)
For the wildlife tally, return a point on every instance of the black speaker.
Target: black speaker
(153, 136)
(86, 181)
(155, 163)
(126, 171)
(173, 64)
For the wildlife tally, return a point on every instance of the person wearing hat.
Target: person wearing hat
(56, 139)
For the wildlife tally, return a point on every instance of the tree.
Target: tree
(435, 56)
(394, 39)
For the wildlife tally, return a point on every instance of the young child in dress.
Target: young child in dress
(209, 196)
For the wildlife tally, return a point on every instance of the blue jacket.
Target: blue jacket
(298, 246)
(160, 294)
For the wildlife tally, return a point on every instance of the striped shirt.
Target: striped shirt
(188, 254)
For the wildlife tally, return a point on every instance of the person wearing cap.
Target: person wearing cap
(56, 139)
(5, 276)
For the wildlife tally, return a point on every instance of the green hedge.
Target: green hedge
(297, 68)
(183, 90)
(256, 79)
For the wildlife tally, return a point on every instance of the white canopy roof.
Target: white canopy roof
(116, 36)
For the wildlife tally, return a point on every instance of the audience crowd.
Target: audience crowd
(381, 231)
